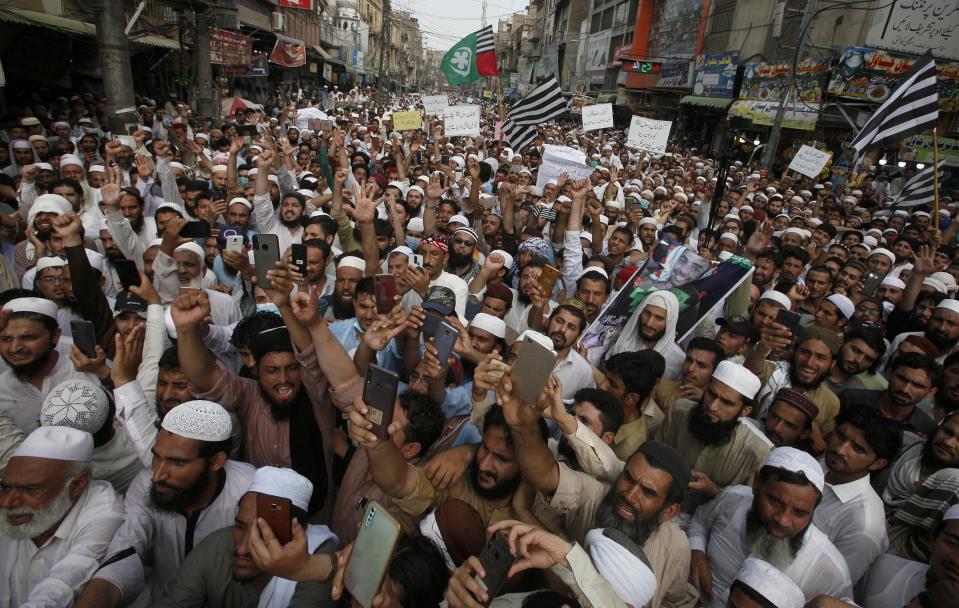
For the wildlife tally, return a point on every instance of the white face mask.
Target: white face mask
(269, 307)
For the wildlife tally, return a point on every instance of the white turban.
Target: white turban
(627, 573)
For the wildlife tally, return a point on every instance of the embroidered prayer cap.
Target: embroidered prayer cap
(75, 403)
(200, 419)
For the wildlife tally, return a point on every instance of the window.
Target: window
(722, 19)
(608, 18)
(596, 22)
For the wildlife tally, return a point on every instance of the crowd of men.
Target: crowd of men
(799, 446)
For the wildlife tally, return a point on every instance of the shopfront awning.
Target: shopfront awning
(73, 26)
(705, 102)
(326, 56)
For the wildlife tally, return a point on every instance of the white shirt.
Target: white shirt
(21, 400)
(574, 373)
(517, 318)
(268, 221)
(893, 582)
(52, 575)
(160, 537)
(852, 516)
(719, 528)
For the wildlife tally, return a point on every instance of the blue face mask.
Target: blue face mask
(413, 243)
(271, 307)
(242, 180)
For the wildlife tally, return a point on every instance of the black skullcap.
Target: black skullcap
(275, 340)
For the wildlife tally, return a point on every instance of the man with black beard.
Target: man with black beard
(771, 521)
(942, 329)
(947, 397)
(191, 490)
(642, 501)
(287, 413)
(286, 222)
(461, 261)
(492, 477)
(807, 368)
(721, 450)
(28, 344)
(338, 305)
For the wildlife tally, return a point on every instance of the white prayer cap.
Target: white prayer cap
(192, 248)
(399, 186)
(351, 261)
(415, 189)
(794, 230)
(946, 279)
(938, 286)
(586, 235)
(49, 167)
(796, 461)
(69, 159)
(648, 221)
(948, 304)
(252, 172)
(50, 262)
(96, 169)
(746, 208)
(41, 306)
(425, 178)
(562, 198)
(176, 165)
(283, 483)
(769, 582)
(487, 322)
(76, 403)
(885, 252)
(871, 241)
(202, 136)
(57, 443)
(402, 250)
(814, 221)
(458, 219)
(201, 420)
(604, 220)
(507, 258)
(951, 513)
(596, 270)
(627, 572)
(921, 214)
(843, 303)
(218, 169)
(239, 200)
(537, 337)
(48, 203)
(155, 243)
(778, 297)
(171, 207)
(415, 223)
(729, 235)
(738, 378)
(895, 282)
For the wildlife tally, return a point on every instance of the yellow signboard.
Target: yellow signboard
(487, 94)
(407, 121)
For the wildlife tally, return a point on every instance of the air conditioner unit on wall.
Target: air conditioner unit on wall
(277, 23)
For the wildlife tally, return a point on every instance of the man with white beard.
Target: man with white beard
(771, 521)
(55, 521)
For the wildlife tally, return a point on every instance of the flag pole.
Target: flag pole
(499, 95)
(935, 182)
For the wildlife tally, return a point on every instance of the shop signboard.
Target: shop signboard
(716, 74)
(229, 48)
(907, 26)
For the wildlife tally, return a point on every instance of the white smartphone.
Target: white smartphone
(417, 260)
(234, 243)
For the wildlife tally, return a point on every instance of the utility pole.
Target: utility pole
(113, 49)
(382, 95)
(203, 96)
(769, 154)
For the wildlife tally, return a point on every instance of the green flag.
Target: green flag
(459, 63)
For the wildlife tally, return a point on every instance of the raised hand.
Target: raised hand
(305, 309)
(365, 209)
(29, 173)
(264, 160)
(144, 170)
(162, 149)
(190, 309)
(435, 189)
(924, 263)
(129, 354)
(69, 228)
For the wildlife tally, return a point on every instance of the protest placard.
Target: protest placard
(562, 159)
(407, 121)
(462, 120)
(647, 134)
(435, 104)
(599, 116)
(809, 161)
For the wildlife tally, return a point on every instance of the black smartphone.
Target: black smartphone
(248, 132)
(84, 337)
(128, 273)
(298, 254)
(872, 282)
(195, 230)
(445, 159)
(430, 324)
(788, 318)
(444, 341)
(379, 394)
(496, 560)
(266, 253)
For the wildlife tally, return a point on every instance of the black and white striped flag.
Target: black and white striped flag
(920, 190)
(519, 136)
(912, 108)
(543, 103)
